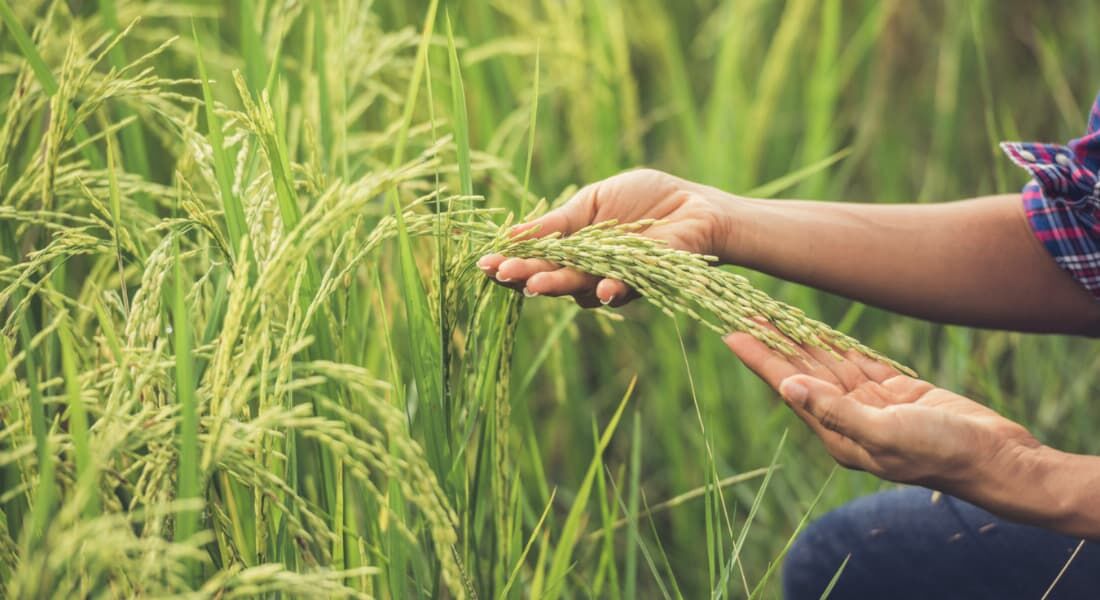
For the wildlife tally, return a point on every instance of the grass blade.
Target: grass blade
(46, 494)
(770, 189)
(133, 139)
(774, 564)
(421, 326)
(633, 494)
(231, 204)
(836, 577)
(188, 478)
(532, 126)
(321, 56)
(527, 547)
(26, 46)
(402, 138)
(571, 530)
(461, 121)
(735, 555)
(251, 46)
(78, 421)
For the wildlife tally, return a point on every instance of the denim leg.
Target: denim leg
(909, 543)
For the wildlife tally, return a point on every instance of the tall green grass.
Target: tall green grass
(244, 352)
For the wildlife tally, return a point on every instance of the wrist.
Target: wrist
(735, 239)
(1069, 483)
(1040, 486)
(1006, 482)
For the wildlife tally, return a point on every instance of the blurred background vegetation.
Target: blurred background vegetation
(736, 94)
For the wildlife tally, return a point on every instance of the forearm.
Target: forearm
(972, 262)
(1043, 487)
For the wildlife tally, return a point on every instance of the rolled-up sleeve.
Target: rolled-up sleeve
(1062, 200)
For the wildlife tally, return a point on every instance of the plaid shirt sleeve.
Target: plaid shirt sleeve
(1062, 201)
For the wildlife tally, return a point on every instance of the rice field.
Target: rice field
(245, 350)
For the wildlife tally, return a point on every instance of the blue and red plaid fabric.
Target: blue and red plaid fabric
(1062, 201)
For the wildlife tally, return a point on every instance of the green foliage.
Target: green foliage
(245, 350)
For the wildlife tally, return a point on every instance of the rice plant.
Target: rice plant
(680, 282)
(245, 350)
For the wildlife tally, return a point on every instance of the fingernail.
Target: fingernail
(528, 293)
(609, 300)
(794, 392)
(485, 268)
(503, 279)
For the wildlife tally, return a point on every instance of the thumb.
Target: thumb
(831, 407)
(575, 214)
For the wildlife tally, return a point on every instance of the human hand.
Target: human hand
(693, 217)
(899, 428)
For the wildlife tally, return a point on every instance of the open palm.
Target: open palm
(870, 417)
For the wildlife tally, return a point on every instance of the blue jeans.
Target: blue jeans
(908, 543)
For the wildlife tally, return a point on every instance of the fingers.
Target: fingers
(768, 364)
(490, 263)
(906, 389)
(844, 450)
(834, 409)
(848, 374)
(850, 367)
(540, 277)
(873, 369)
(613, 292)
(839, 420)
(521, 269)
(537, 277)
(562, 282)
(566, 219)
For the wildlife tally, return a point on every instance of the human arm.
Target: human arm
(972, 262)
(871, 418)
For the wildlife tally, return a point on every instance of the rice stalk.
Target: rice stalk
(678, 281)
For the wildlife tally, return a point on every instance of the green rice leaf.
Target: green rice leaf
(189, 485)
(571, 530)
(461, 124)
(26, 46)
(426, 358)
(231, 204)
(78, 420)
